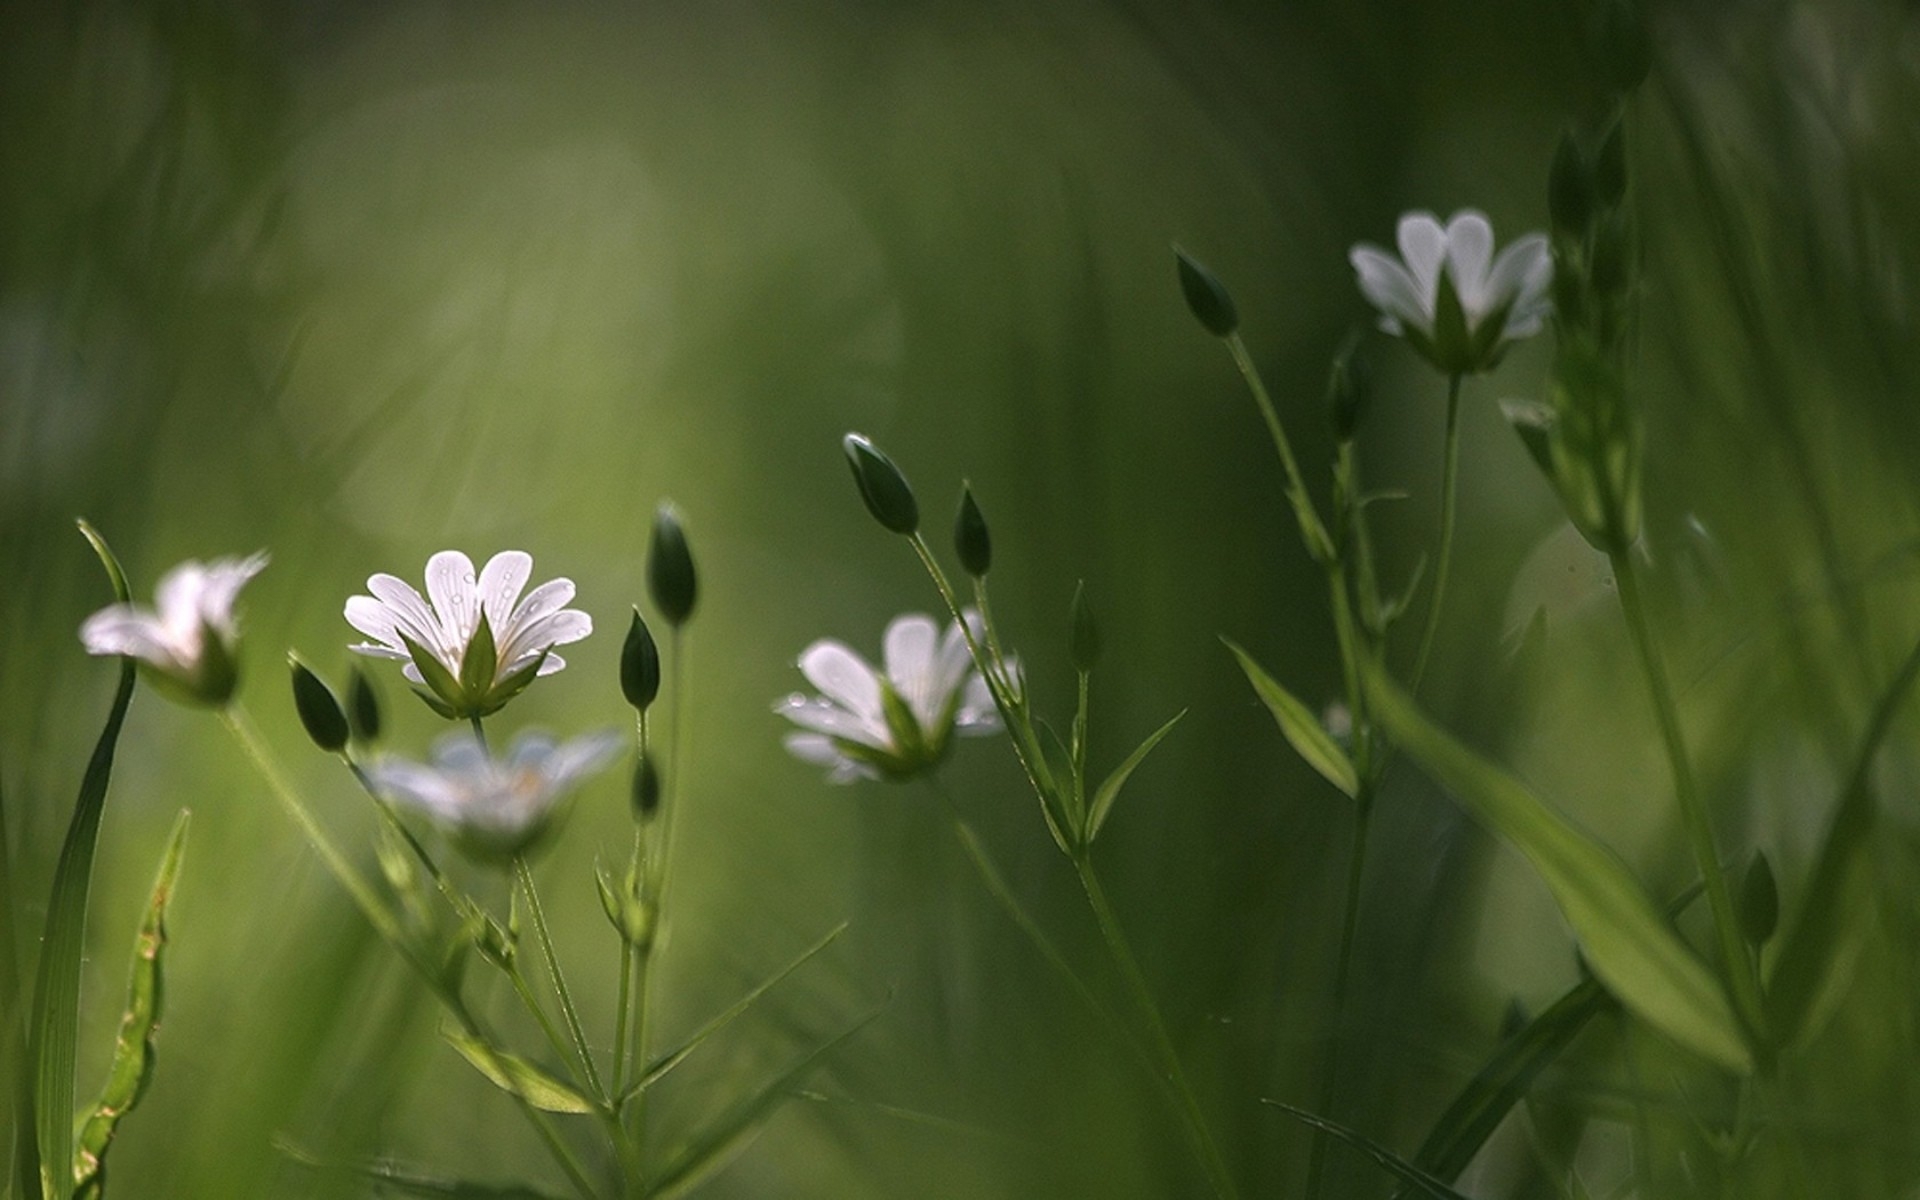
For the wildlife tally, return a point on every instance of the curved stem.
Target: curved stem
(1312, 530)
(1449, 507)
(1693, 813)
(559, 981)
(1171, 1073)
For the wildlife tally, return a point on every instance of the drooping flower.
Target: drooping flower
(891, 724)
(472, 646)
(187, 641)
(495, 806)
(1449, 296)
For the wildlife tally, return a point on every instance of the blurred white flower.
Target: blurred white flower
(1448, 295)
(440, 641)
(892, 724)
(496, 806)
(187, 641)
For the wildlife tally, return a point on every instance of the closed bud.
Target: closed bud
(1612, 255)
(670, 574)
(971, 540)
(319, 711)
(646, 789)
(1569, 191)
(363, 708)
(1610, 167)
(1207, 297)
(1349, 390)
(640, 665)
(1083, 641)
(1759, 905)
(884, 489)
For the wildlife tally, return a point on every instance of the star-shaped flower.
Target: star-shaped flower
(892, 724)
(1447, 294)
(495, 806)
(473, 647)
(187, 641)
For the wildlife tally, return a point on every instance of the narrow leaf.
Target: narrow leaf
(1625, 939)
(56, 993)
(1384, 1158)
(515, 1075)
(1821, 944)
(1301, 728)
(395, 1179)
(709, 1150)
(672, 1058)
(133, 1049)
(1110, 790)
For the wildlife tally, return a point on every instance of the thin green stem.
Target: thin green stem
(623, 1005)
(567, 1011)
(1342, 978)
(1693, 813)
(1449, 511)
(1172, 1074)
(479, 732)
(1319, 545)
(542, 1124)
(567, 1051)
(654, 871)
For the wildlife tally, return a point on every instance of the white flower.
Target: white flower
(495, 805)
(869, 724)
(1449, 296)
(188, 641)
(435, 640)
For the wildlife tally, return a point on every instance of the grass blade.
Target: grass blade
(709, 1150)
(393, 1179)
(1386, 1159)
(1110, 790)
(133, 1050)
(516, 1076)
(56, 993)
(672, 1058)
(1300, 727)
(1626, 940)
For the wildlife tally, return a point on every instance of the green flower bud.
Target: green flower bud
(970, 538)
(1083, 642)
(363, 708)
(670, 574)
(1349, 390)
(1569, 191)
(646, 788)
(639, 665)
(319, 710)
(884, 489)
(1207, 297)
(1612, 255)
(1758, 908)
(1610, 167)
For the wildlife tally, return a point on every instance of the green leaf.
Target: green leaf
(1629, 945)
(516, 1076)
(708, 1151)
(1301, 728)
(396, 1180)
(133, 1050)
(1384, 1158)
(1817, 951)
(1110, 790)
(56, 993)
(672, 1058)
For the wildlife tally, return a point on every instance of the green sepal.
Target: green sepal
(436, 704)
(133, 1051)
(903, 728)
(478, 664)
(513, 684)
(1452, 340)
(627, 910)
(438, 679)
(1300, 727)
(1109, 790)
(516, 1076)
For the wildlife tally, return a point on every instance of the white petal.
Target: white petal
(812, 748)
(1389, 288)
(554, 629)
(1469, 250)
(376, 620)
(177, 599)
(909, 647)
(548, 598)
(460, 751)
(413, 673)
(1423, 246)
(225, 578)
(505, 574)
(976, 715)
(454, 591)
(954, 662)
(373, 651)
(408, 606)
(581, 757)
(552, 663)
(823, 716)
(124, 629)
(421, 786)
(842, 676)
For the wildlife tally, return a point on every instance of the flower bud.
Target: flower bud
(670, 574)
(363, 708)
(1612, 255)
(884, 489)
(319, 710)
(1083, 642)
(1758, 908)
(646, 788)
(1610, 167)
(639, 665)
(1569, 192)
(1349, 389)
(971, 540)
(1207, 297)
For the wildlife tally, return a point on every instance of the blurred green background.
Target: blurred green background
(358, 282)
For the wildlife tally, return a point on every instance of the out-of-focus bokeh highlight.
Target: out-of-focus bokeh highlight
(354, 283)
